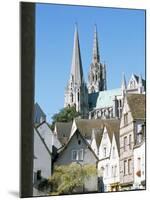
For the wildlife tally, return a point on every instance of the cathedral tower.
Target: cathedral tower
(97, 73)
(76, 93)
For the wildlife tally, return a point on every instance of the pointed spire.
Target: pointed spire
(124, 85)
(95, 57)
(76, 68)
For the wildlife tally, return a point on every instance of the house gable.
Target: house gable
(105, 145)
(76, 145)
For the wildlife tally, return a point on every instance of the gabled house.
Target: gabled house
(108, 165)
(46, 145)
(133, 116)
(79, 151)
(41, 165)
(136, 85)
(114, 163)
(49, 137)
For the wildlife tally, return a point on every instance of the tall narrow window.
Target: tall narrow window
(139, 164)
(115, 170)
(129, 166)
(125, 143)
(107, 170)
(71, 97)
(113, 152)
(130, 146)
(39, 175)
(78, 97)
(126, 119)
(104, 151)
(125, 167)
(74, 155)
(80, 154)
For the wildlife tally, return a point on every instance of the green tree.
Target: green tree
(65, 115)
(67, 178)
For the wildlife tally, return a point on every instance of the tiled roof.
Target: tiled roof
(137, 105)
(63, 131)
(86, 126)
(105, 98)
(38, 112)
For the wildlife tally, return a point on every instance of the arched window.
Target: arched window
(71, 97)
(78, 97)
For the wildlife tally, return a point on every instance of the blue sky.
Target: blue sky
(121, 34)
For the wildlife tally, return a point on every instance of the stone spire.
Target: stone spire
(76, 93)
(124, 85)
(76, 67)
(95, 56)
(97, 72)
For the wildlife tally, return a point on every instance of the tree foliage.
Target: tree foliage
(65, 115)
(67, 178)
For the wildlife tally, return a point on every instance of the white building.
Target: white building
(139, 160)
(108, 165)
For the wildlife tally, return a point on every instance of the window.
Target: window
(112, 171)
(78, 96)
(139, 164)
(79, 142)
(115, 170)
(107, 170)
(80, 154)
(126, 119)
(77, 154)
(74, 155)
(39, 175)
(130, 146)
(113, 152)
(129, 166)
(125, 167)
(104, 151)
(71, 97)
(125, 143)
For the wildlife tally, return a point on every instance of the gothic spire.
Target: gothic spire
(95, 57)
(76, 68)
(124, 85)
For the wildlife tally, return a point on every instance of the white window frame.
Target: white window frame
(79, 154)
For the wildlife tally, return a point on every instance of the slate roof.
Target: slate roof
(63, 130)
(38, 112)
(105, 98)
(86, 126)
(92, 99)
(137, 105)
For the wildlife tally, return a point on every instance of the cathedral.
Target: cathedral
(93, 99)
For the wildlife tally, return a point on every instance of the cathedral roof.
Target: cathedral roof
(105, 98)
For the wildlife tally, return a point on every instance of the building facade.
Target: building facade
(133, 116)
